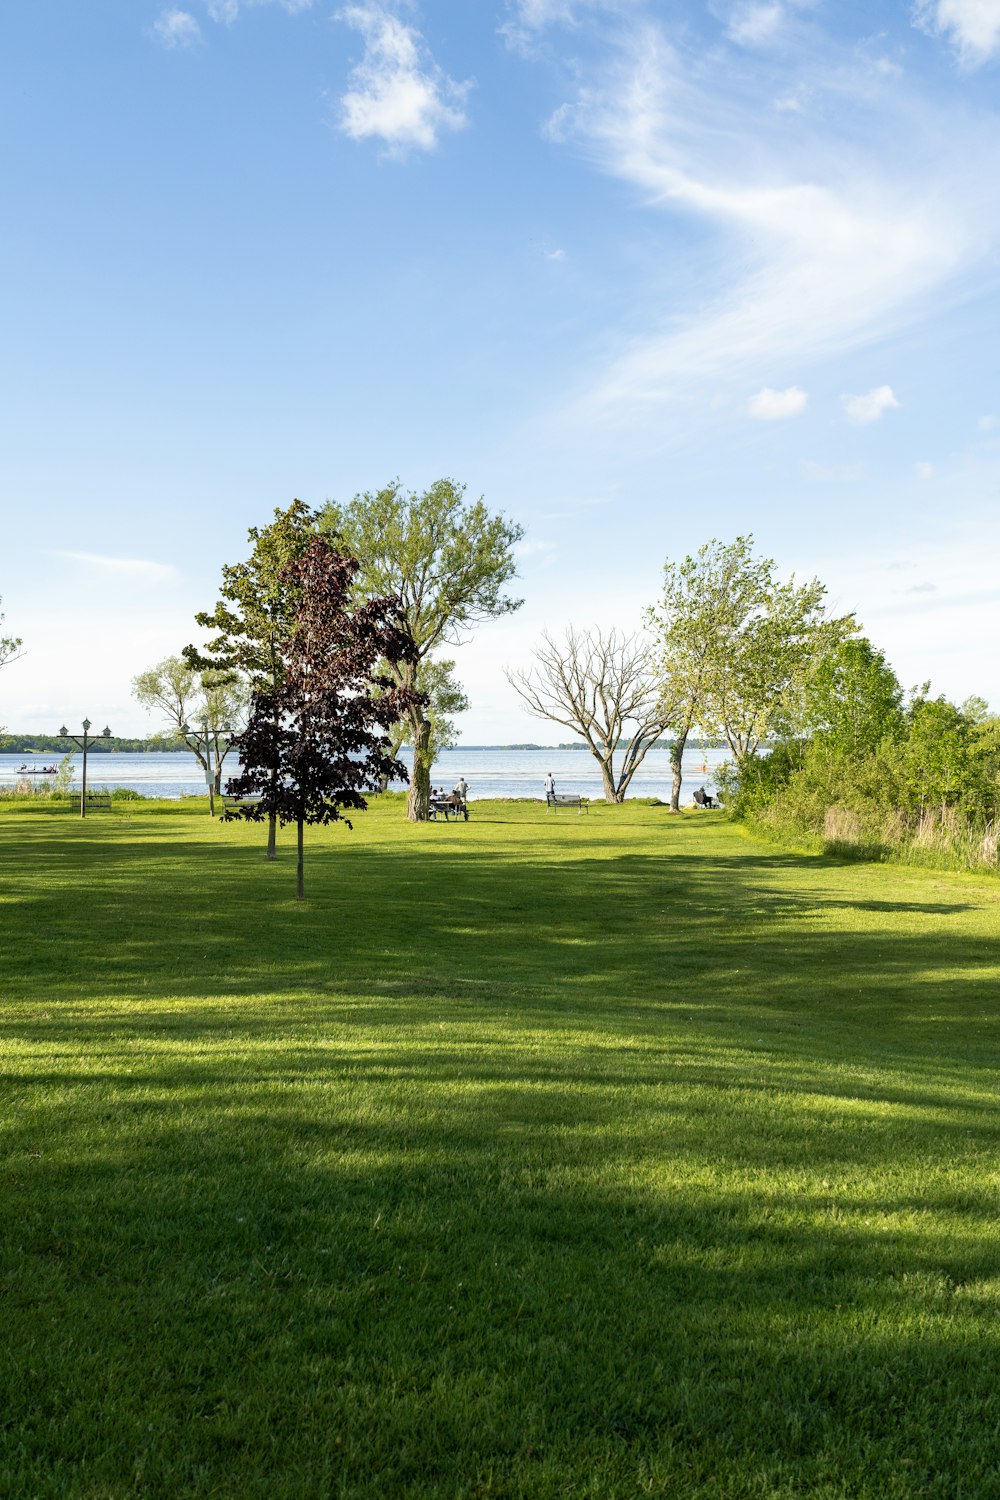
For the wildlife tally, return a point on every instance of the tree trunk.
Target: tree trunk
(611, 792)
(418, 808)
(676, 761)
(300, 886)
(272, 822)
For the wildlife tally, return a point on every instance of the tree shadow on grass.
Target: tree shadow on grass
(257, 1301)
(569, 1172)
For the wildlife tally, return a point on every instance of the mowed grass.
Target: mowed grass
(607, 1156)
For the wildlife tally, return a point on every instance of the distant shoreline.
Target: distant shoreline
(49, 744)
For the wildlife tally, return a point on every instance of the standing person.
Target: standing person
(461, 792)
(550, 789)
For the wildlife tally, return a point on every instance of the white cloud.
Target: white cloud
(987, 423)
(135, 567)
(555, 255)
(398, 94)
(924, 470)
(972, 26)
(772, 406)
(861, 410)
(831, 229)
(176, 28)
(756, 24)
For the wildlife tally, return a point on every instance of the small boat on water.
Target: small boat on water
(38, 770)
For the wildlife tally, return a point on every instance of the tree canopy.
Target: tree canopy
(318, 738)
(201, 707)
(257, 609)
(447, 561)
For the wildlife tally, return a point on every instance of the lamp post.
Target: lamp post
(88, 739)
(207, 733)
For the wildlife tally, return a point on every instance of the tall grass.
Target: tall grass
(937, 837)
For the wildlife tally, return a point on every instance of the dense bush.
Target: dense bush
(873, 776)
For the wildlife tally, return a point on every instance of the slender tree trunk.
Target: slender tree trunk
(676, 761)
(611, 792)
(272, 821)
(300, 885)
(419, 806)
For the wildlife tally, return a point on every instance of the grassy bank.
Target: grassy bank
(595, 1156)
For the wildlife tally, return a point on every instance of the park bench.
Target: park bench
(451, 807)
(567, 799)
(98, 801)
(233, 804)
(702, 799)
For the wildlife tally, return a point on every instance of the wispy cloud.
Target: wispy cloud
(772, 406)
(923, 469)
(176, 28)
(757, 23)
(972, 26)
(863, 410)
(228, 11)
(397, 93)
(833, 227)
(526, 19)
(533, 547)
(135, 567)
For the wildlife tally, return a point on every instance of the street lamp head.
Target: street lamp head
(63, 731)
(86, 725)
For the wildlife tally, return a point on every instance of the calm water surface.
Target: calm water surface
(490, 773)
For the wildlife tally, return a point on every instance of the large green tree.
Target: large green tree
(737, 646)
(445, 697)
(853, 700)
(257, 610)
(448, 561)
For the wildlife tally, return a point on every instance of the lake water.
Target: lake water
(490, 773)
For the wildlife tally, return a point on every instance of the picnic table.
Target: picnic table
(452, 807)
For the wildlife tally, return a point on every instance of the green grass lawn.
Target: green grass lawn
(607, 1156)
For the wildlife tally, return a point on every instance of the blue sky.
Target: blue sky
(639, 273)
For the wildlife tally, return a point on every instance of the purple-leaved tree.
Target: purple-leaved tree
(325, 727)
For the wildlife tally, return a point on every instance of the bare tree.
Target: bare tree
(601, 687)
(215, 700)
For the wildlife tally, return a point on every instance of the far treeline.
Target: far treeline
(327, 655)
(56, 744)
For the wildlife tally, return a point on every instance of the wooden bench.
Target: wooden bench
(567, 799)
